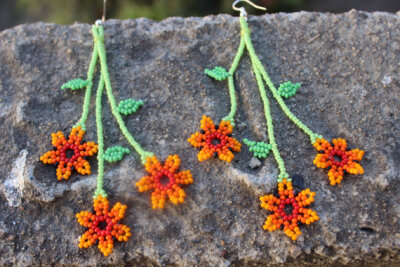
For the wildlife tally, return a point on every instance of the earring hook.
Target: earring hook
(103, 18)
(242, 10)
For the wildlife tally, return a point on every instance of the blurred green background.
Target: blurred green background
(14, 12)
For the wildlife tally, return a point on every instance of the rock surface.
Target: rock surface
(254, 163)
(348, 66)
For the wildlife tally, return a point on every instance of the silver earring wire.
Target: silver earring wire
(103, 18)
(242, 10)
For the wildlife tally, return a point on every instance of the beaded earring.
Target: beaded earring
(289, 223)
(103, 225)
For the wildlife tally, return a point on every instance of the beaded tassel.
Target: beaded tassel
(212, 140)
(104, 225)
(335, 157)
(290, 221)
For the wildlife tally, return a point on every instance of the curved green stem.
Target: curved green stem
(270, 127)
(237, 58)
(231, 83)
(246, 32)
(100, 140)
(99, 35)
(88, 92)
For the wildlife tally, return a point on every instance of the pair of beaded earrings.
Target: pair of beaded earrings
(104, 224)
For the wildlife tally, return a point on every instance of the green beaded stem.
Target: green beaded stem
(267, 112)
(88, 92)
(231, 84)
(246, 31)
(99, 36)
(100, 141)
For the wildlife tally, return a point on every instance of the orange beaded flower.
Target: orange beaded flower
(164, 181)
(288, 209)
(338, 159)
(215, 140)
(70, 153)
(103, 225)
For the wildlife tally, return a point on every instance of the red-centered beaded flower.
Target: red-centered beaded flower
(338, 159)
(103, 225)
(288, 209)
(164, 181)
(70, 153)
(215, 140)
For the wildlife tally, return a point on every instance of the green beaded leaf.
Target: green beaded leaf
(288, 89)
(129, 106)
(218, 73)
(260, 149)
(75, 84)
(115, 153)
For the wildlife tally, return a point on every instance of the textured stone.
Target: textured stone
(348, 67)
(254, 163)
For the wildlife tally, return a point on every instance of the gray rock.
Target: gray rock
(254, 163)
(14, 184)
(342, 61)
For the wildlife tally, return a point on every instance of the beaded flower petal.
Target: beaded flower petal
(338, 159)
(287, 200)
(164, 180)
(103, 225)
(74, 146)
(215, 140)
